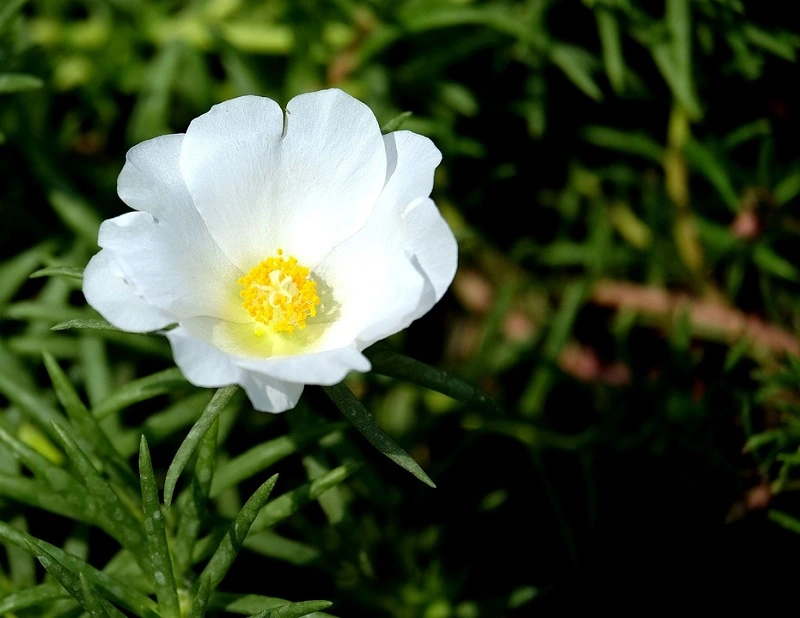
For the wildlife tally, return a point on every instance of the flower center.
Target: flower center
(278, 293)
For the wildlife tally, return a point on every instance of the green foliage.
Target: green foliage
(226, 552)
(610, 389)
(208, 419)
(104, 497)
(357, 414)
(160, 560)
(293, 610)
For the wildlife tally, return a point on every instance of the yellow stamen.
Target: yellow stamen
(278, 293)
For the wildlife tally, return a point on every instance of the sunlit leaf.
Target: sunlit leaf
(609, 32)
(388, 362)
(264, 455)
(90, 323)
(77, 214)
(69, 272)
(158, 550)
(396, 123)
(31, 597)
(294, 610)
(140, 390)
(578, 65)
(113, 515)
(18, 82)
(286, 504)
(85, 424)
(118, 590)
(226, 553)
(360, 417)
(192, 503)
(214, 408)
(73, 583)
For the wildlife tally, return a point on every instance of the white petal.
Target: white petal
(201, 363)
(239, 339)
(172, 267)
(428, 238)
(400, 263)
(303, 187)
(378, 290)
(430, 245)
(411, 162)
(326, 368)
(270, 395)
(431, 242)
(116, 299)
(204, 365)
(170, 256)
(151, 180)
(291, 357)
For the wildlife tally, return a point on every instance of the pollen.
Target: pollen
(279, 294)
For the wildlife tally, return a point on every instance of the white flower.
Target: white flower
(281, 243)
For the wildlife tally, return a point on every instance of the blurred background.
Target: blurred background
(623, 180)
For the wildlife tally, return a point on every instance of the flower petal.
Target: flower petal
(117, 300)
(270, 395)
(150, 180)
(433, 252)
(201, 363)
(430, 240)
(430, 245)
(172, 267)
(290, 357)
(412, 159)
(204, 365)
(411, 162)
(326, 368)
(401, 262)
(303, 186)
